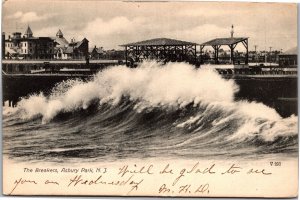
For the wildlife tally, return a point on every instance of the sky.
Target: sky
(113, 23)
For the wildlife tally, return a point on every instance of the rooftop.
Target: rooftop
(78, 43)
(97, 50)
(28, 31)
(160, 42)
(61, 41)
(224, 41)
(68, 50)
(59, 34)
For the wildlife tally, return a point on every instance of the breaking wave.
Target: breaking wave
(185, 107)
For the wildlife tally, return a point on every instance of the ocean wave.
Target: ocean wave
(151, 85)
(194, 108)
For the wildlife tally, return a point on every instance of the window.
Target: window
(30, 44)
(25, 44)
(25, 49)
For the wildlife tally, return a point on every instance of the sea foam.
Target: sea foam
(151, 84)
(171, 86)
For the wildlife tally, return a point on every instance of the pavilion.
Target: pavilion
(161, 49)
(230, 42)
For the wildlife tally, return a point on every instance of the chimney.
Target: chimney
(232, 31)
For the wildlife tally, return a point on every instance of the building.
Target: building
(70, 50)
(28, 46)
(80, 49)
(61, 45)
(96, 53)
(288, 58)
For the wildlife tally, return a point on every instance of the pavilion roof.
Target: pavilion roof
(160, 42)
(224, 41)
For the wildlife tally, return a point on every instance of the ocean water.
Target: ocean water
(173, 111)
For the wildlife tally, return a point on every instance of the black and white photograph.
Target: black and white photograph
(142, 98)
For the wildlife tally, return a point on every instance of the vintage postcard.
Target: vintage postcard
(131, 98)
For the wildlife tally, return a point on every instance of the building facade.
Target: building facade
(289, 58)
(28, 46)
(70, 50)
(96, 53)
